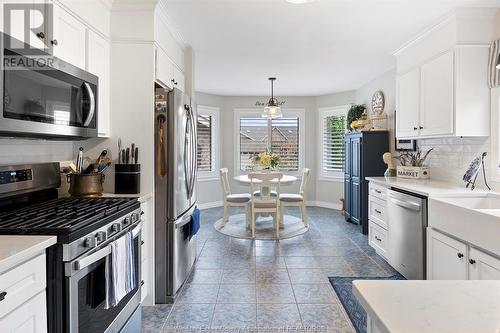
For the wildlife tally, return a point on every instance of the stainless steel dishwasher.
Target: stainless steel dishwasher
(407, 218)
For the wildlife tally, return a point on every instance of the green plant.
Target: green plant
(354, 113)
(267, 160)
(410, 158)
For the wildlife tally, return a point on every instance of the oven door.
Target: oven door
(46, 98)
(86, 288)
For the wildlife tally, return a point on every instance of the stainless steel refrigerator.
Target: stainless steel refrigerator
(175, 190)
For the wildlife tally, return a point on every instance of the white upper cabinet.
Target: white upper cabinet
(408, 99)
(442, 79)
(98, 63)
(178, 79)
(68, 38)
(167, 72)
(436, 86)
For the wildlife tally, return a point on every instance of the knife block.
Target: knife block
(127, 178)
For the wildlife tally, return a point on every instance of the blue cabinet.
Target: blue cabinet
(363, 158)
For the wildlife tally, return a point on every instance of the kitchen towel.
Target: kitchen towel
(195, 222)
(120, 277)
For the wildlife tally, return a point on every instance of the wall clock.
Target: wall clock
(378, 102)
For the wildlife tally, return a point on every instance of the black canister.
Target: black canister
(127, 178)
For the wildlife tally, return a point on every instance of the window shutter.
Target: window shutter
(204, 149)
(285, 142)
(333, 143)
(253, 139)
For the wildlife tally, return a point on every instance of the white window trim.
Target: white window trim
(213, 112)
(255, 112)
(333, 176)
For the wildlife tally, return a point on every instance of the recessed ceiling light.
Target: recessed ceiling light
(298, 2)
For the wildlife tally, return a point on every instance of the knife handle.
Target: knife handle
(136, 155)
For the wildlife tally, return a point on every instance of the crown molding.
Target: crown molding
(127, 5)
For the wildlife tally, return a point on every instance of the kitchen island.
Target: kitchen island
(430, 306)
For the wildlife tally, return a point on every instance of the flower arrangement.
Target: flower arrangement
(266, 160)
(414, 159)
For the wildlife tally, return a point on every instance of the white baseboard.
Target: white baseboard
(309, 203)
(208, 205)
(324, 204)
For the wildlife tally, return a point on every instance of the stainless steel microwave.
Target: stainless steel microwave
(45, 97)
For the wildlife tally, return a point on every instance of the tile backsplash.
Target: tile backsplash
(452, 156)
(19, 151)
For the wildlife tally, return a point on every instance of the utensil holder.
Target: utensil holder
(127, 178)
(85, 185)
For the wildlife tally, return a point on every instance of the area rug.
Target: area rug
(264, 230)
(343, 288)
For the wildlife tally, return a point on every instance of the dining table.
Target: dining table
(265, 190)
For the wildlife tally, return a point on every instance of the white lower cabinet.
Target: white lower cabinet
(23, 305)
(483, 266)
(446, 257)
(147, 263)
(378, 234)
(30, 317)
(452, 259)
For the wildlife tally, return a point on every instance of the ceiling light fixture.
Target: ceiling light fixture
(272, 110)
(298, 2)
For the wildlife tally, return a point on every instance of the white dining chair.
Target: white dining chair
(241, 199)
(265, 203)
(290, 199)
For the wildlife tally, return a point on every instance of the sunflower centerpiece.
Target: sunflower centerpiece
(265, 161)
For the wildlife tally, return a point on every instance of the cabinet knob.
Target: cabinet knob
(415, 128)
(54, 42)
(40, 35)
(472, 261)
(176, 82)
(173, 80)
(421, 127)
(377, 238)
(460, 255)
(2, 295)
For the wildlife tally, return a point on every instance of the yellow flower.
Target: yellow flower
(265, 160)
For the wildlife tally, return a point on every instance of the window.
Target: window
(332, 130)
(207, 150)
(282, 136)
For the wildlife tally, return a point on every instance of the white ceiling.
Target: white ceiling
(322, 47)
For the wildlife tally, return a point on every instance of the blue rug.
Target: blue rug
(343, 288)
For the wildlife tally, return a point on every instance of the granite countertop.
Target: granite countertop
(16, 249)
(431, 306)
(425, 187)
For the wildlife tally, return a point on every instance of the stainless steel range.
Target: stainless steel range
(76, 265)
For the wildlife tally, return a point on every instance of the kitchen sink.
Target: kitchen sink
(472, 217)
(487, 201)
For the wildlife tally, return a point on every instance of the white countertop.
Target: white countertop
(16, 249)
(425, 187)
(142, 196)
(431, 306)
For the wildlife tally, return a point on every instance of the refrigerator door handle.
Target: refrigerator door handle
(194, 144)
(187, 157)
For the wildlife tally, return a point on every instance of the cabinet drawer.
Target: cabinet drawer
(378, 211)
(30, 317)
(378, 191)
(21, 283)
(378, 239)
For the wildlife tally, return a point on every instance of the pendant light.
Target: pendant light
(272, 110)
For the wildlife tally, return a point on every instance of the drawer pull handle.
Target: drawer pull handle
(377, 238)
(378, 211)
(460, 255)
(2, 295)
(378, 191)
(472, 261)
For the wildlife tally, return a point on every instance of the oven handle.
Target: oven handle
(98, 255)
(92, 104)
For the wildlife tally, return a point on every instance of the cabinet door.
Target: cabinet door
(408, 99)
(446, 257)
(18, 26)
(437, 86)
(347, 178)
(69, 38)
(30, 317)
(483, 266)
(98, 61)
(356, 180)
(164, 69)
(179, 79)
(147, 252)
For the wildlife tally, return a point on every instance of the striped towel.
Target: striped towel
(493, 72)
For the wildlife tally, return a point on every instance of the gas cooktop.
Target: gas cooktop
(64, 216)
